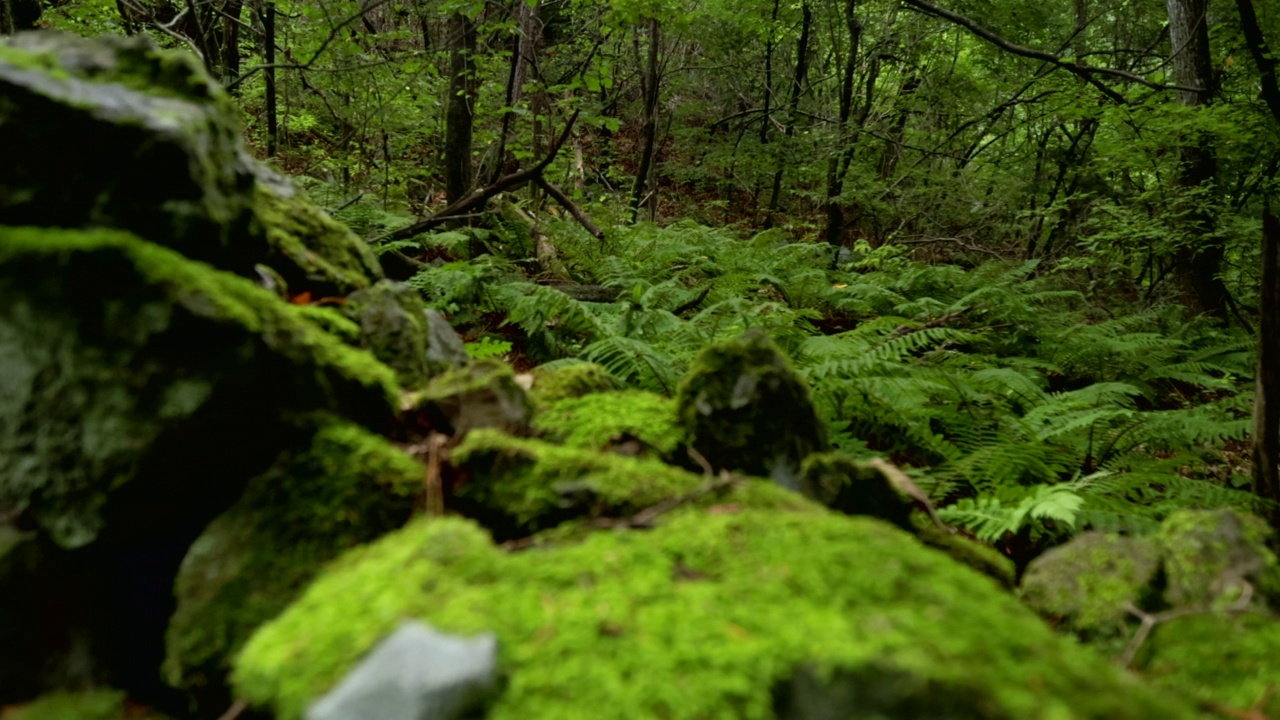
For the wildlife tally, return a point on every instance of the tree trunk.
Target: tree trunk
(793, 107)
(523, 47)
(6, 18)
(460, 114)
(649, 85)
(231, 39)
(1262, 56)
(837, 164)
(273, 124)
(1197, 264)
(1266, 408)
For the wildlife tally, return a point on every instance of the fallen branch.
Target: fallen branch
(479, 197)
(558, 195)
(1151, 620)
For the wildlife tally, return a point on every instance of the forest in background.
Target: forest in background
(1014, 247)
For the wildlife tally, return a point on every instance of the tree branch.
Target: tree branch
(479, 197)
(1085, 72)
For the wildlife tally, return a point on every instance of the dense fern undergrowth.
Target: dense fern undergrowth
(1025, 409)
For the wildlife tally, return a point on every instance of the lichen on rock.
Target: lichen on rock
(702, 617)
(346, 486)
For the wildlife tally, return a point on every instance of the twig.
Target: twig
(1151, 620)
(233, 712)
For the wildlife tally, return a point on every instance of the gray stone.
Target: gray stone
(417, 673)
(483, 394)
(445, 349)
(394, 328)
(1090, 581)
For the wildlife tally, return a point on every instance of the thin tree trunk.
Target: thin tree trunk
(793, 107)
(231, 40)
(460, 114)
(1266, 408)
(6, 18)
(649, 85)
(1198, 265)
(1262, 56)
(523, 46)
(273, 124)
(835, 178)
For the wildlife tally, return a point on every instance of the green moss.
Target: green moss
(140, 338)
(538, 484)
(309, 248)
(576, 380)
(345, 487)
(842, 483)
(90, 705)
(331, 321)
(393, 326)
(1090, 581)
(594, 421)
(698, 618)
(1216, 658)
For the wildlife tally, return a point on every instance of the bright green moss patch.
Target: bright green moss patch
(539, 484)
(596, 420)
(699, 618)
(346, 487)
(1209, 555)
(573, 381)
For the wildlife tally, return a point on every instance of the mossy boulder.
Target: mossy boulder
(553, 384)
(346, 487)
(744, 408)
(86, 705)
(626, 421)
(707, 616)
(113, 132)
(482, 394)
(1090, 582)
(1197, 560)
(857, 488)
(139, 391)
(521, 486)
(1209, 556)
(1222, 660)
(393, 326)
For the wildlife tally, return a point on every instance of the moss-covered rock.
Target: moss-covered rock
(115, 350)
(482, 394)
(1230, 661)
(744, 408)
(702, 617)
(611, 420)
(965, 550)
(1091, 581)
(529, 485)
(113, 132)
(88, 705)
(1210, 555)
(393, 326)
(844, 484)
(139, 391)
(577, 380)
(346, 487)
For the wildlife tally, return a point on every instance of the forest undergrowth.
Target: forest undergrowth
(1024, 405)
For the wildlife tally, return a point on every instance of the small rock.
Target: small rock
(484, 394)
(394, 328)
(417, 673)
(445, 349)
